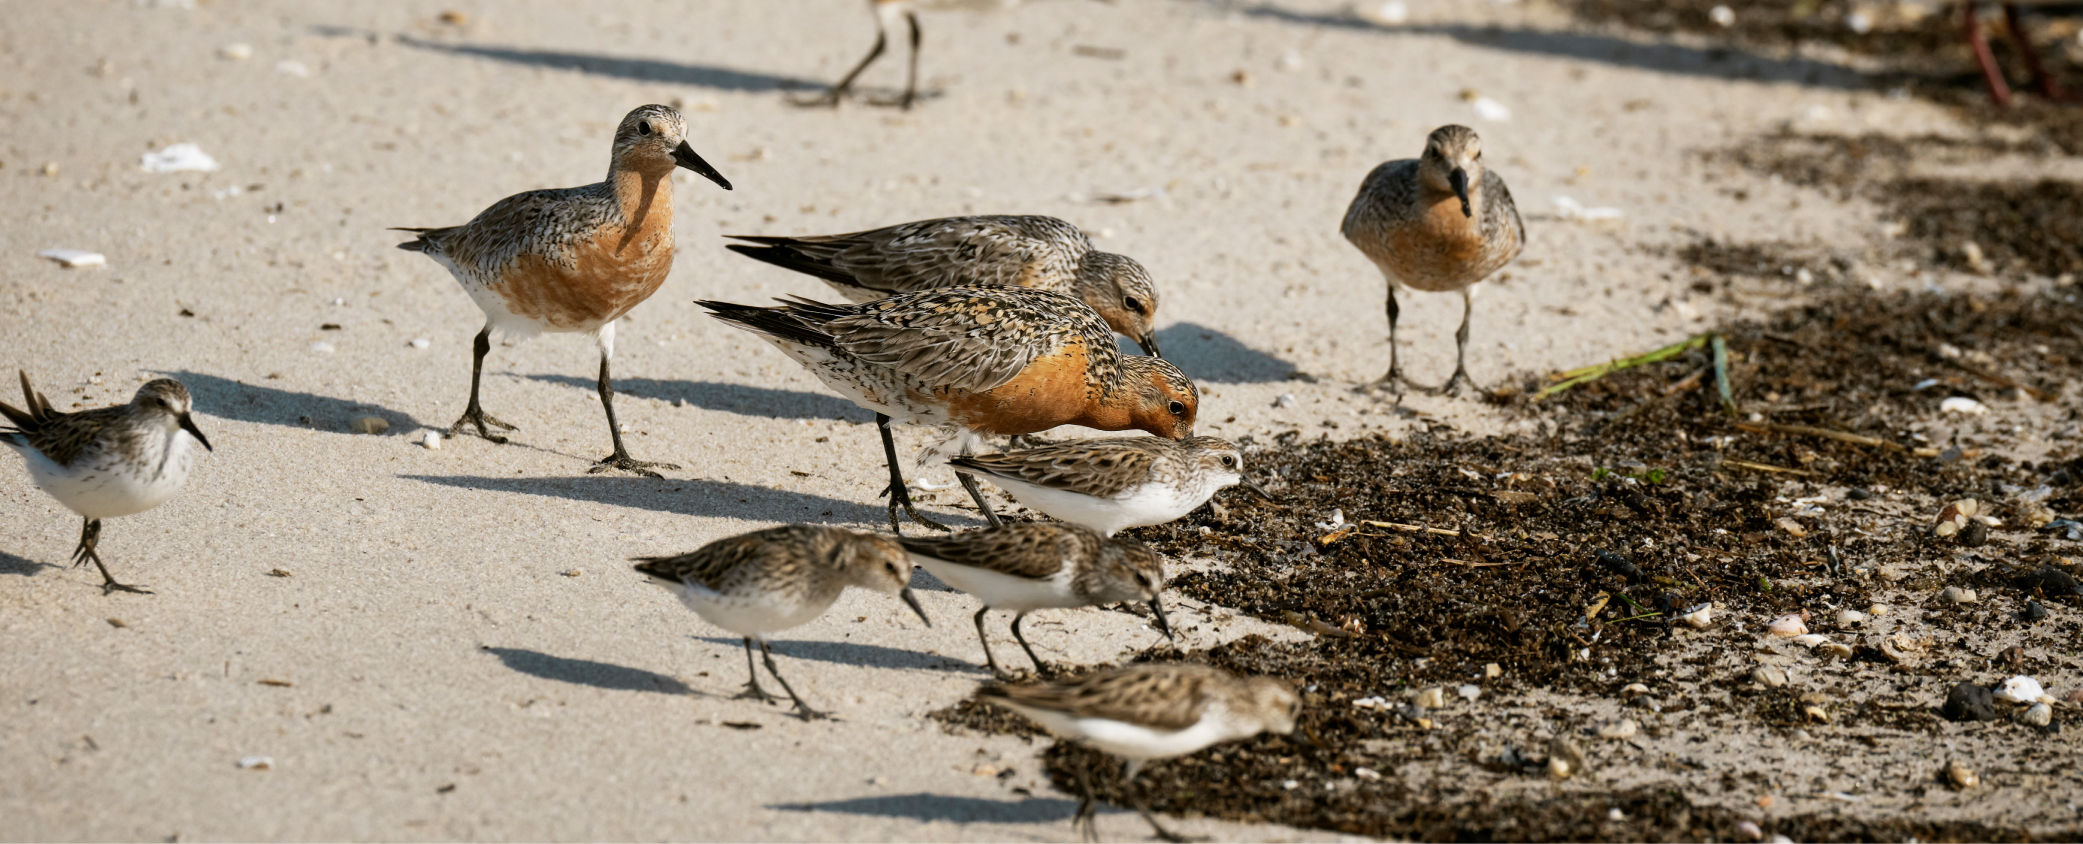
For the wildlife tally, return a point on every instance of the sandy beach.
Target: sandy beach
(449, 644)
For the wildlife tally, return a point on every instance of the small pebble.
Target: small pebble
(1746, 827)
(1367, 774)
(369, 425)
(1699, 617)
(236, 52)
(1962, 777)
(1877, 610)
(2037, 715)
(1565, 758)
(1469, 691)
(1969, 701)
(1432, 698)
(1724, 17)
(421, 342)
(1858, 494)
(1494, 671)
(432, 441)
(1769, 676)
(1963, 404)
(1634, 690)
(1891, 574)
(1788, 626)
(1614, 814)
(572, 572)
(1957, 595)
(1847, 618)
(1285, 400)
(292, 67)
(2034, 611)
(1622, 729)
(322, 347)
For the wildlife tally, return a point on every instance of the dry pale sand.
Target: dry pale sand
(461, 649)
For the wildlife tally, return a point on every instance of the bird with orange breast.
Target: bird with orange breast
(1001, 361)
(573, 260)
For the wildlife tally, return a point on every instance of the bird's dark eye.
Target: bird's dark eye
(643, 127)
(1227, 460)
(1133, 304)
(1178, 408)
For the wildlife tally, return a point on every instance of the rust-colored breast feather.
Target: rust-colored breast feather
(1440, 251)
(1052, 390)
(600, 280)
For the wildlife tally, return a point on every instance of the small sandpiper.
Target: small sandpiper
(1033, 565)
(573, 260)
(1005, 251)
(1148, 712)
(1111, 484)
(887, 13)
(767, 581)
(1437, 223)
(110, 461)
(981, 360)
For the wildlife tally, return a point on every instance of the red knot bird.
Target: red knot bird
(887, 14)
(1437, 223)
(107, 462)
(767, 581)
(997, 361)
(994, 251)
(1034, 566)
(573, 259)
(1111, 484)
(1143, 713)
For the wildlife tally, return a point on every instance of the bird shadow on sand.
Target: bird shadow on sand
(728, 398)
(645, 70)
(586, 672)
(11, 564)
(854, 653)
(679, 497)
(241, 402)
(941, 807)
(1206, 354)
(1719, 62)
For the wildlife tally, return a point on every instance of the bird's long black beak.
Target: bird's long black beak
(913, 601)
(188, 424)
(1458, 179)
(1149, 343)
(1164, 625)
(685, 156)
(1257, 490)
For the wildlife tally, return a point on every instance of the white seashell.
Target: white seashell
(1836, 649)
(1390, 13)
(1491, 110)
(1847, 618)
(1963, 404)
(257, 763)
(2020, 690)
(421, 342)
(432, 441)
(1367, 773)
(1809, 640)
(1469, 691)
(1284, 400)
(236, 52)
(176, 159)
(1433, 698)
(1877, 610)
(2038, 715)
(1634, 690)
(1746, 827)
(1699, 616)
(1724, 16)
(322, 347)
(1493, 671)
(1961, 776)
(1787, 626)
(1624, 728)
(1770, 677)
(292, 67)
(75, 257)
(1957, 595)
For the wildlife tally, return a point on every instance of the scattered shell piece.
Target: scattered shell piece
(2020, 690)
(1570, 209)
(420, 343)
(1372, 703)
(1847, 618)
(1836, 649)
(1491, 110)
(1469, 691)
(454, 18)
(1493, 671)
(432, 441)
(322, 346)
(177, 158)
(1290, 61)
(257, 763)
(1724, 16)
(1788, 626)
(1877, 610)
(1955, 517)
(1816, 713)
(1391, 13)
(1367, 774)
(1284, 400)
(75, 257)
(235, 52)
(1958, 595)
(1622, 729)
(292, 67)
(1891, 574)
(1634, 690)
(573, 572)
(1699, 616)
(1769, 676)
(1433, 698)
(1809, 640)
(1745, 827)
(1963, 404)
(1961, 776)
(278, 572)
(369, 425)
(1565, 758)
(2037, 715)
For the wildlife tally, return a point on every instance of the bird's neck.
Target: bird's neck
(644, 196)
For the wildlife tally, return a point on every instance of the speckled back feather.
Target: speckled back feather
(1159, 697)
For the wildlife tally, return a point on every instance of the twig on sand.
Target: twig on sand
(1826, 433)
(1421, 529)
(1766, 467)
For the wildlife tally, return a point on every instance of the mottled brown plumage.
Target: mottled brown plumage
(1438, 223)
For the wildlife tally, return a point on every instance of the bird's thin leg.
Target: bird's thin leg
(1040, 667)
(845, 86)
(752, 688)
(911, 77)
(989, 660)
(803, 710)
(1393, 380)
(977, 495)
(899, 495)
(475, 414)
(1087, 818)
(1128, 776)
(1461, 378)
(90, 542)
(620, 459)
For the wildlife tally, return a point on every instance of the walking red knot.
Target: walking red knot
(1148, 712)
(982, 360)
(107, 462)
(1036, 565)
(1438, 223)
(767, 581)
(573, 260)
(1122, 482)
(995, 251)
(887, 13)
